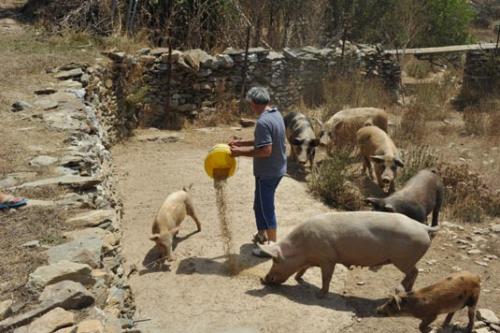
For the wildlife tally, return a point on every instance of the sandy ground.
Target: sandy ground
(195, 294)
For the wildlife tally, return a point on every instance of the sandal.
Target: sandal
(13, 202)
(259, 238)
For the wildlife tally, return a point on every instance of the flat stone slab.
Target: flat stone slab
(46, 104)
(62, 270)
(156, 135)
(92, 218)
(68, 180)
(43, 160)
(488, 316)
(68, 294)
(72, 73)
(52, 321)
(84, 250)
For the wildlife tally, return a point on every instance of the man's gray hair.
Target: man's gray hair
(258, 95)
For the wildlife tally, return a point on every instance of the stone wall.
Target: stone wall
(199, 81)
(481, 77)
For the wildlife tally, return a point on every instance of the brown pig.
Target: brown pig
(168, 219)
(422, 194)
(365, 238)
(446, 296)
(377, 147)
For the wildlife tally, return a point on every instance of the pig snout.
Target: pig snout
(272, 279)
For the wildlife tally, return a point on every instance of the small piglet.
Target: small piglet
(422, 194)
(367, 239)
(446, 296)
(168, 219)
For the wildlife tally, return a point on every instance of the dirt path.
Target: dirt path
(196, 294)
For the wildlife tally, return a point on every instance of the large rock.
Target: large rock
(43, 160)
(109, 240)
(70, 74)
(92, 218)
(68, 294)
(63, 270)
(52, 321)
(90, 326)
(197, 57)
(84, 250)
(488, 316)
(5, 309)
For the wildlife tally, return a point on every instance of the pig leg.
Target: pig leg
(391, 188)
(424, 325)
(300, 273)
(447, 320)
(326, 278)
(190, 212)
(409, 279)
(367, 166)
(471, 312)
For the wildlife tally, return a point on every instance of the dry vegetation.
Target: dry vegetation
(426, 108)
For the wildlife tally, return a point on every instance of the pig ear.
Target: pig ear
(377, 158)
(174, 230)
(372, 201)
(187, 188)
(399, 162)
(389, 208)
(154, 237)
(273, 250)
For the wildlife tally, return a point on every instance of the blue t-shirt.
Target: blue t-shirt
(270, 129)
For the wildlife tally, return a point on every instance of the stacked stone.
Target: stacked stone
(199, 81)
(480, 78)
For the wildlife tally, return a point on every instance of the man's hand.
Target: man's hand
(235, 143)
(236, 151)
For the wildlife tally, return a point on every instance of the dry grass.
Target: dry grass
(416, 158)
(467, 196)
(224, 113)
(332, 181)
(43, 224)
(354, 90)
(417, 68)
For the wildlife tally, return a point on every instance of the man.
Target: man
(268, 151)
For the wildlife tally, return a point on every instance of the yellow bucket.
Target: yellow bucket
(219, 163)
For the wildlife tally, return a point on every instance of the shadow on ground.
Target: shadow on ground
(153, 262)
(221, 265)
(305, 293)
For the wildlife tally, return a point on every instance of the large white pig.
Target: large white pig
(377, 147)
(367, 239)
(169, 218)
(340, 130)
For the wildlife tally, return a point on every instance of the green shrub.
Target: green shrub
(331, 181)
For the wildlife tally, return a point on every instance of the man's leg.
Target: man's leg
(267, 192)
(259, 218)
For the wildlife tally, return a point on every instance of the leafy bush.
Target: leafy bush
(331, 181)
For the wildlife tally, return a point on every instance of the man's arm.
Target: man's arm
(241, 143)
(261, 152)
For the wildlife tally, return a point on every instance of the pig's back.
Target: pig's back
(369, 238)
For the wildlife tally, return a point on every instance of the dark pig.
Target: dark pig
(453, 293)
(422, 194)
(302, 138)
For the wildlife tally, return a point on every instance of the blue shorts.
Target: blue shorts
(263, 204)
